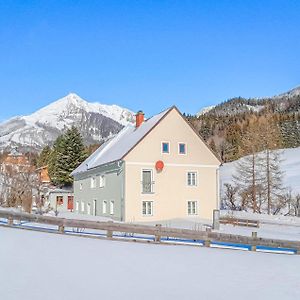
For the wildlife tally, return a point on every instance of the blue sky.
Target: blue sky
(146, 54)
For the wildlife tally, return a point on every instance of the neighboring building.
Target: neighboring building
(157, 170)
(60, 200)
(43, 174)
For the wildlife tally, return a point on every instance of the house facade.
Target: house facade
(159, 169)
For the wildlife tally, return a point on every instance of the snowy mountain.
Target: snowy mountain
(205, 110)
(95, 121)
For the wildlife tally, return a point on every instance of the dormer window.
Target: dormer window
(182, 148)
(165, 147)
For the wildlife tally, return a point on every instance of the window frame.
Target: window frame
(185, 148)
(192, 211)
(104, 207)
(146, 214)
(82, 206)
(102, 181)
(196, 178)
(111, 207)
(162, 147)
(93, 182)
(152, 181)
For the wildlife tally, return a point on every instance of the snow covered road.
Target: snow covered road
(36, 265)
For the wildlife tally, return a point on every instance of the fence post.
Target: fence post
(254, 237)
(157, 237)
(61, 229)
(216, 219)
(10, 221)
(109, 233)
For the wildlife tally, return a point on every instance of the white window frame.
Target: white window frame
(111, 207)
(161, 147)
(145, 213)
(77, 205)
(192, 211)
(82, 206)
(152, 180)
(104, 207)
(93, 182)
(196, 179)
(182, 143)
(102, 181)
(88, 208)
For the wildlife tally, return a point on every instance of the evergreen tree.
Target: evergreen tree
(44, 157)
(70, 155)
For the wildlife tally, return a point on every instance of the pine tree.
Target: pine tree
(71, 154)
(44, 157)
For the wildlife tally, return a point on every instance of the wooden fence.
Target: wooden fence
(239, 222)
(158, 232)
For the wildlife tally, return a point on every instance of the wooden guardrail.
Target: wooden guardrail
(158, 232)
(239, 222)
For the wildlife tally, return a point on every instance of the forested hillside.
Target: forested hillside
(226, 125)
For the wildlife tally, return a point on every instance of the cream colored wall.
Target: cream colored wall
(171, 192)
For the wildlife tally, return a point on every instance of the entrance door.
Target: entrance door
(70, 202)
(95, 207)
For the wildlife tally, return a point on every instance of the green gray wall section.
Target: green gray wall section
(112, 191)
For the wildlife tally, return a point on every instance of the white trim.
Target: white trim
(187, 178)
(178, 148)
(172, 165)
(161, 148)
(147, 201)
(152, 180)
(196, 208)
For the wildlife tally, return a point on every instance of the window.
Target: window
(182, 148)
(147, 182)
(82, 206)
(165, 147)
(80, 186)
(77, 206)
(147, 208)
(112, 207)
(102, 181)
(104, 207)
(59, 200)
(192, 178)
(93, 182)
(70, 202)
(95, 207)
(192, 207)
(89, 208)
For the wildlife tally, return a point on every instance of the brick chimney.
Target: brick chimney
(139, 118)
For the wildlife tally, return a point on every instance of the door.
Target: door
(70, 202)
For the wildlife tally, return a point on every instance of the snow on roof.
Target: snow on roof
(114, 149)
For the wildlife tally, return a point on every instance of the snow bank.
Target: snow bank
(46, 266)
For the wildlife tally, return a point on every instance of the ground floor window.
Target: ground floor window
(104, 207)
(77, 206)
(59, 200)
(82, 206)
(147, 209)
(89, 208)
(192, 207)
(112, 207)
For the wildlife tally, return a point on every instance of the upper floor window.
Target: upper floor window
(182, 148)
(80, 186)
(93, 182)
(102, 181)
(192, 178)
(147, 181)
(165, 147)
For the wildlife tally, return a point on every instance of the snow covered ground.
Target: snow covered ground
(290, 166)
(36, 266)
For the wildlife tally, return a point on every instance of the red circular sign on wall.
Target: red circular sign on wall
(159, 165)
